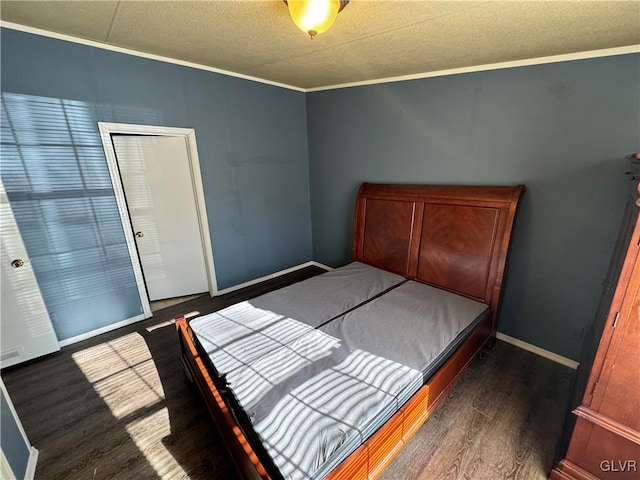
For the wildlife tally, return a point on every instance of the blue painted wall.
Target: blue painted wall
(562, 129)
(251, 138)
(12, 442)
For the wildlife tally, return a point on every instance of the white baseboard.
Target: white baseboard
(98, 331)
(138, 318)
(30, 472)
(567, 362)
(273, 275)
(321, 265)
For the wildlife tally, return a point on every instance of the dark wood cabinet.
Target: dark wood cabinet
(605, 440)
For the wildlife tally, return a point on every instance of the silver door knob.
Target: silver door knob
(139, 234)
(17, 263)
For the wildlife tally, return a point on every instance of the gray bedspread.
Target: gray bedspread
(411, 324)
(243, 332)
(313, 402)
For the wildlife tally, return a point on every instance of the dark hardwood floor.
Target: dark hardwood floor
(118, 406)
(502, 420)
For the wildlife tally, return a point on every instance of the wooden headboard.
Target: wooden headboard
(451, 237)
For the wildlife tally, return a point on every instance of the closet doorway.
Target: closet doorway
(156, 178)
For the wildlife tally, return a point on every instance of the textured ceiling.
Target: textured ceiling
(369, 40)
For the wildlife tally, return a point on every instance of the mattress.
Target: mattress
(398, 319)
(317, 396)
(241, 333)
(314, 401)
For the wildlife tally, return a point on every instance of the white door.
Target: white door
(26, 331)
(158, 186)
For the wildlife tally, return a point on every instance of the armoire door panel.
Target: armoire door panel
(603, 453)
(619, 396)
(617, 392)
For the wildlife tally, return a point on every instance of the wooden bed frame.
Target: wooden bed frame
(452, 237)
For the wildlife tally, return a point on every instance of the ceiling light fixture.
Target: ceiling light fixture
(314, 16)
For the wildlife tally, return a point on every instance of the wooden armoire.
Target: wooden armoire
(603, 431)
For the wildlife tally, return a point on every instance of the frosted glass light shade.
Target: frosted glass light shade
(313, 16)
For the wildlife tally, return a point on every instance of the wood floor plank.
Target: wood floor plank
(118, 406)
(500, 421)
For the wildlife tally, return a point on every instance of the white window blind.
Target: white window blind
(56, 177)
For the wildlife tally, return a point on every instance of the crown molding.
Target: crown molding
(137, 53)
(606, 52)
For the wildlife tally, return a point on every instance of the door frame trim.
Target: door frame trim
(189, 134)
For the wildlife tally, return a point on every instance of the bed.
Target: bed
(328, 378)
